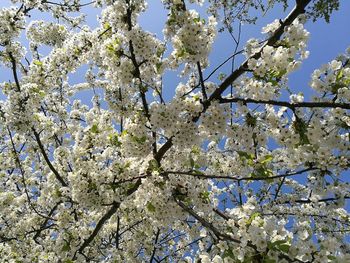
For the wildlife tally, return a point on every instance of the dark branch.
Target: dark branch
(252, 178)
(202, 80)
(155, 246)
(115, 206)
(322, 104)
(47, 160)
(14, 71)
(98, 227)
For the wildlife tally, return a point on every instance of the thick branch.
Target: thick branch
(115, 206)
(322, 104)
(98, 227)
(47, 160)
(14, 71)
(251, 178)
(155, 246)
(44, 224)
(324, 200)
(130, 179)
(205, 223)
(138, 76)
(202, 80)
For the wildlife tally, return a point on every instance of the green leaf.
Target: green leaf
(271, 76)
(346, 82)
(196, 19)
(300, 127)
(278, 242)
(340, 82)
(143, 139)
(158, 67)
(221, 76)
(110, 48)
(66, 247)
(250, 120)
(252, 217)
(278, 74)
(245, 155)
(106, 25)
(160, 184)
(124, 133)
(262, 171)
(267, 159)
(58, 193)
(154, 166)
(191, 162)
(190, 51)
(139, 140)
(160, 51)
(38, 63)
(205, 197)
(283, 247)
(150, 207)
(269, 260)
(187, 201)
(280, 245)
(77, 51)
(42, 93)
(283, 43)
(248, 157)
(228, 253)
(92, 187)
(195, 150)
(143, 88)
(130, 187)
(181, 53)
(196, 98)
(331, 257)
(114, 139)
(198, 172)
(196, 166)
(94, 128)
(339, 75)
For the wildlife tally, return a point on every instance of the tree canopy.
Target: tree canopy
(235, 167)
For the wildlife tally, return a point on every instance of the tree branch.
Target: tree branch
(322, 104)
(14, 71)
(104, 219)
(47, 160)
(155, 247)
(253, 178)
(202, 80)
(98, 227)
(205, 223)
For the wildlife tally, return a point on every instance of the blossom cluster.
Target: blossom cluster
(224, 171)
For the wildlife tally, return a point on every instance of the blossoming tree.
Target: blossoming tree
(228, 170)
